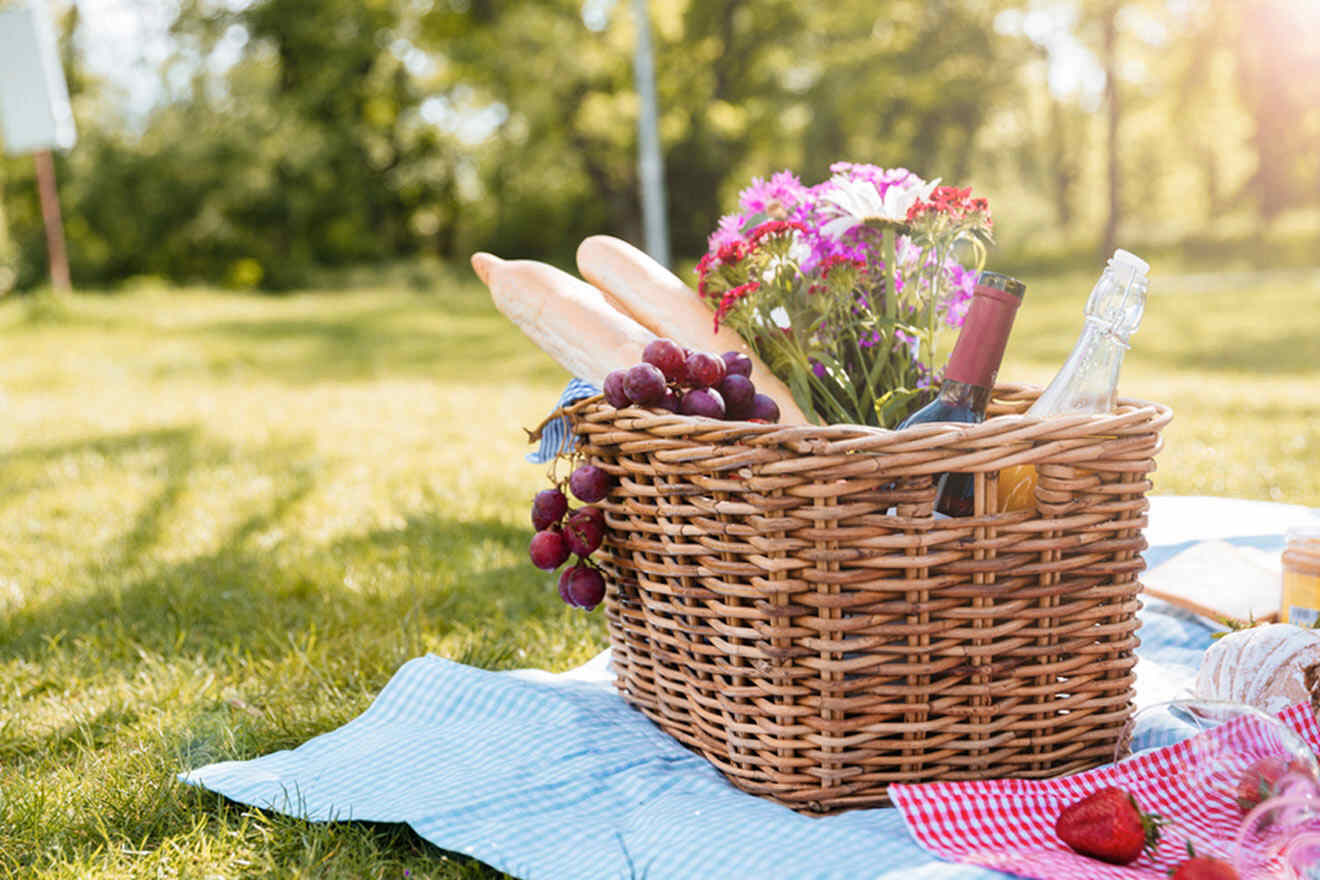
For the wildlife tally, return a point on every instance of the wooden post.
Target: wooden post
(1109, 58)
(50, 217)
(650, 162)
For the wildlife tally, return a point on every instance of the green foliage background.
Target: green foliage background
(352, 131)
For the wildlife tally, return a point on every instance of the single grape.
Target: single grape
(548, 549)
(645, 384)
(702, 402)
(615, 395)
(564, 579)
(595, 514)
(704, 370)
(737, 391)
(667, 355)
(669, 401)
(548, 508)
(763, 407)
(735, 362)
(584, 586)
(589, 483)
(583, 532)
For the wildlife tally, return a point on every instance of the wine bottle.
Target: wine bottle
(1088, 381)
(970, 375)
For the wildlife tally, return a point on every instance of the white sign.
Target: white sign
(34, 101)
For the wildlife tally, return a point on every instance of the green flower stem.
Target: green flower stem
(824, 398)
(891, 274)
(933, 306)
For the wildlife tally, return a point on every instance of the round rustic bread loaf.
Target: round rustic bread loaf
(1269, 667)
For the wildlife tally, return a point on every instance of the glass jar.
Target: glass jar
(1301, 576)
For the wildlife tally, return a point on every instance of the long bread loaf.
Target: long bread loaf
(657, 299)
(568, 318)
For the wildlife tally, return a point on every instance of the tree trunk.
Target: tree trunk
(1213, 188)
(1109, 26)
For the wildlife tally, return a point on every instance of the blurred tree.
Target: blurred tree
(338, 163)
(1279, 78)
(907, 81)
(745, 88)
(292, 135)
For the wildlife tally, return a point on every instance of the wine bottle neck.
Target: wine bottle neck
(980, 347)
(964, 395)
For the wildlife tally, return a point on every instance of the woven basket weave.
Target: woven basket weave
(783, 600)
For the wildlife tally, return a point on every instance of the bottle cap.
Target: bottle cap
(1131, 260)
(996, 281)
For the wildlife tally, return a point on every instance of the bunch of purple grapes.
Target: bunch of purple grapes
(693, 383)
(561, 533)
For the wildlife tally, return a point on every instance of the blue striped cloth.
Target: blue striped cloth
(556, 778)
(555, 436)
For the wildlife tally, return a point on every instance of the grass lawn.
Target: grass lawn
(228, 519)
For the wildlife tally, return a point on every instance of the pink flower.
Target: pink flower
(727, 232)
(776, 197)
(881, 178)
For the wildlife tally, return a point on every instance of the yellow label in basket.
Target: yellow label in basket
(1301, 576)
(1301, 597)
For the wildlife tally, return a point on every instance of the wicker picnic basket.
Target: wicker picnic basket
(784, 601)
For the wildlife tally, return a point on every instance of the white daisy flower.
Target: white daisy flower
(859, 202)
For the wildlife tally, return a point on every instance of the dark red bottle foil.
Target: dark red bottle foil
(984, 336)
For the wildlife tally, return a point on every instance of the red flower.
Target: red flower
(704, 266)
(731, 252)
(731, 297)
(954, 203)
(918, 209)
(774, 227)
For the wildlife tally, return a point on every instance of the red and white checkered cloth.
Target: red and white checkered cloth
(1008, 824)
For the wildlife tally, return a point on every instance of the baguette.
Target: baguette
(567, 318)
(656, 298)
(484, 265)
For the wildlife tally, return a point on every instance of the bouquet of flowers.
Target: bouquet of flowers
(841, 288)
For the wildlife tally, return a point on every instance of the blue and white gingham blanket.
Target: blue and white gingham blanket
(554, 777)
(555, 435)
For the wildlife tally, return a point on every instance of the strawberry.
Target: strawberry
(1108, 825)
(1202, 868)
(1259, 782)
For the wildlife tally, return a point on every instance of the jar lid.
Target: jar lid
(1304, 532)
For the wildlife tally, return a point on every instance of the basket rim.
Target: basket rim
(1129, 434)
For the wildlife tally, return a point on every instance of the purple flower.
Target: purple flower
(881, 178)
(819, 369)
(906, 251)
(729, 230)
(961, 284)
(869, 340)
(911, 341)
(777, 197)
